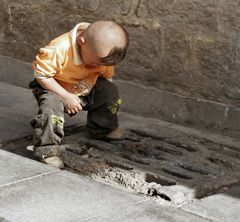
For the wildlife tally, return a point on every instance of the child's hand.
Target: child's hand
(72, 103)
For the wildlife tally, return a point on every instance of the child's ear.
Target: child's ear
(80, 40)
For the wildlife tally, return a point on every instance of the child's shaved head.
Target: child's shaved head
(108, 40)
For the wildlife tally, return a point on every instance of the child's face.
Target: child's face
(89, 57)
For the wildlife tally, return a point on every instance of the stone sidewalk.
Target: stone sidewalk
(32, 191)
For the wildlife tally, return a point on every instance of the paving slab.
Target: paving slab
(3, 220)
(14, 168)
(11, 129)
(17, 105)
(67, 197)
(15, 71)
(147, 211)
(220, 207)
(62, 196)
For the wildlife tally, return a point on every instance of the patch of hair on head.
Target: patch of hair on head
(101, 31)
(115, 55)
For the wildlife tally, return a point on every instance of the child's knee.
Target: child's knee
(52, 101)
(107, 89)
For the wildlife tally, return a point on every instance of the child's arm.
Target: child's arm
(72, 102)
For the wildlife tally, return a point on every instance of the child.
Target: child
(73, 73)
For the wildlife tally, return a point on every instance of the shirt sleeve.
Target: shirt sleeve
(48, 62)
(109, 72)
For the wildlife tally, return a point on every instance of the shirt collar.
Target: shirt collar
(73, 33)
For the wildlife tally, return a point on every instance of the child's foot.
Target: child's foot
(49, 154)
(117, 134)
(54, 161)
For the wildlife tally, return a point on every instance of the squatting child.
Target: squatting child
(73, 73)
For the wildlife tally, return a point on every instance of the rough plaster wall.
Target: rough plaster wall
(188, 47)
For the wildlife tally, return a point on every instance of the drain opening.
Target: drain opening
(136, 159)
(146, 135)
(194, 169)
(232, 154)
(132, 139)
(77, 151)
(177, 174)
(149, 152)
(182, 146)
(118, 165)
(164, 196)
(155, 193)
(221, 161)
(149, 178)
(170, 151)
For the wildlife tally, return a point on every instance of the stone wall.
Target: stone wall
(190, 48)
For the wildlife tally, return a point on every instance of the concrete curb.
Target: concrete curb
(192, 112)
(15, 72)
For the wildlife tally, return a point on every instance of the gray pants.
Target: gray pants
(102, 105)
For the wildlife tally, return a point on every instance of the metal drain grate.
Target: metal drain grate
(174, 168)
(201, 165)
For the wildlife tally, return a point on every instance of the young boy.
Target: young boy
(73, 73)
